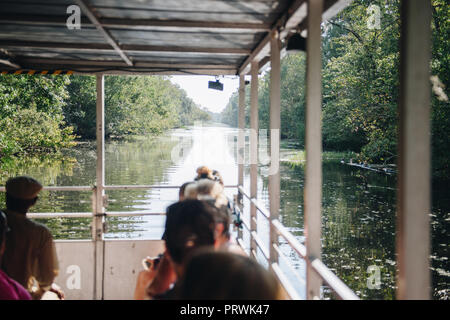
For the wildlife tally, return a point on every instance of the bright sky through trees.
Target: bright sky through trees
(197, 89)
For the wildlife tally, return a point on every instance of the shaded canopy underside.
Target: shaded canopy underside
(211, 37)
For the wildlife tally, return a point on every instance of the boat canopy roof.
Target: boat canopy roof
(210, 37)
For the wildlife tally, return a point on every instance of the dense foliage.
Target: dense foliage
(31, 117)
(440, 69)
(46, 113)
(361, 85)
(134, 105)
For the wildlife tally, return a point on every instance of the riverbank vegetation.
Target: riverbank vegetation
(361, 86)
(44, 114)
(298, 157)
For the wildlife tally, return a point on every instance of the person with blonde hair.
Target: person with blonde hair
(211, 190)
(221, 198)
(190, 191)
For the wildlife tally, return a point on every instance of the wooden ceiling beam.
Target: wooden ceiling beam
(11, 44)
(143, 24)
(107, 63)
(9, 63)
(106, 34)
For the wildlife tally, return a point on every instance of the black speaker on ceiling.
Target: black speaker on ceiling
(216, 85)
(296, 43)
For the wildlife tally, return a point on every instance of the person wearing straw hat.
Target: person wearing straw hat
(30, 255)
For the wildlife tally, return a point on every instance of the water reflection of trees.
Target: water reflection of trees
(46, 169)
(440, 224)
(50, 171)
(139, 161)
(358, 224)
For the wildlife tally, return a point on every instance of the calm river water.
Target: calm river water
(358, 234)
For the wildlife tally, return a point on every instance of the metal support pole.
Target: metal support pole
(313, 147)
(99, 218)
(275, 123)
(241, 144)
(413, 199)
(253, 148)
(241, 130)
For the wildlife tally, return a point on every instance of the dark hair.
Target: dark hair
(223, 275)
(19, 205)
(183, 187)
(189, 224)
(202, 176)
(222, 215)
(3, 227)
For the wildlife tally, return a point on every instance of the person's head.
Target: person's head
(3, 229)
(190, 225)
(217, 177)
(220, 275)
(21, 193)
(222, 219)
(212, 192)
(204, 172)
(207, 189)
(181, 196)
(190, 191)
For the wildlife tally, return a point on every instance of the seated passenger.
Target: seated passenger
(30, 255)
(9, 288)
(181, 196)
(211, 190)
(190, 225)
(204, 172)
(219, 193)
(218, 275)
(217, 177)
(222, 218)
(190, 191)
(236, 213)
(151, 263)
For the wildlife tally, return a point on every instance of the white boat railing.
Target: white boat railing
(48, 215)
(341, 290)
